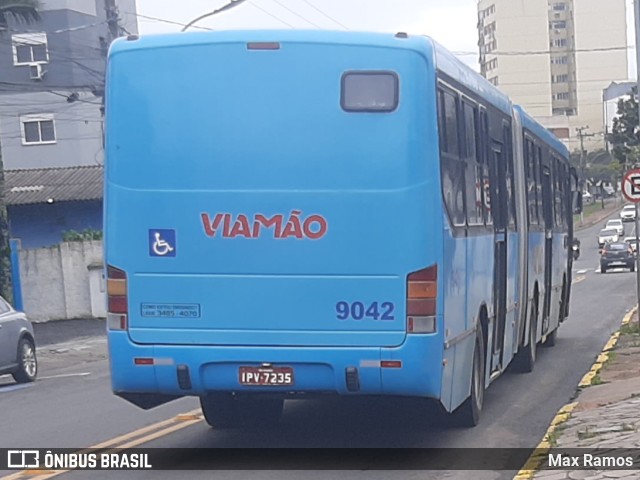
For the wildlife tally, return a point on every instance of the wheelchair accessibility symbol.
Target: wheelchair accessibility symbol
(162, 243)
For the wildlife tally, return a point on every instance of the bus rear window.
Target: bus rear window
(369, 91)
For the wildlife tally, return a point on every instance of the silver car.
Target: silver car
(17, 345)
(607, 235)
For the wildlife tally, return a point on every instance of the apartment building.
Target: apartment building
(51, 82)
(51, 88)
(555, 58)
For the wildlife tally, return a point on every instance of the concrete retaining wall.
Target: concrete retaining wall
(63, 282)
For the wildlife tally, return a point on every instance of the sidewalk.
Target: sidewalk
(606, 412)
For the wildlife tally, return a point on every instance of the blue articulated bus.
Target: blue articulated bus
(324, 213)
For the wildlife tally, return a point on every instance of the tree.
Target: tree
(25, 11)
(625, 136)
(20, 10)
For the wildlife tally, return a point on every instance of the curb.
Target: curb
(604, 356)
(591, 223)
(533, 463)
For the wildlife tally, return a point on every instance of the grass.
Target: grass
(611, 357)
(554, 436)
(596, 380)
(589, 210)
(632, 328)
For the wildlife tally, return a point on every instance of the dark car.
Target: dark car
(17, 345)
(617, 254)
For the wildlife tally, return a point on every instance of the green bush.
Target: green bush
(87, 234)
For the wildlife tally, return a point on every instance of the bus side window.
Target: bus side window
(486, 191)
(531, 182)
(452, 165)
(538, 172)
(511, 198)
(473, 166)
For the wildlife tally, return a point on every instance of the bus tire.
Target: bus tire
(526, 358)
(226, 411)
(468, 414)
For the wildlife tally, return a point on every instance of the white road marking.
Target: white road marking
(65, 375)
(579, 272)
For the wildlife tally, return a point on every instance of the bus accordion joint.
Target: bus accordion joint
(422, 290)
(117, 299)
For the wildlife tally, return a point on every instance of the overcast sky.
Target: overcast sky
(450, 22)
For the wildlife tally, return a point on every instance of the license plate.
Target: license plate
(275, 376)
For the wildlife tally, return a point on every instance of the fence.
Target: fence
(63, 282)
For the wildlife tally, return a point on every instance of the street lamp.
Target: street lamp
(228, 6)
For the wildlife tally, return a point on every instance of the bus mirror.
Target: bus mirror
(577, 202)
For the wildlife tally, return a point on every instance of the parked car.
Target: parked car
(17, 345)
(617, 254)
(606, 236)
(616, 224)
(587, 198)
(628, 213)
(632, 241)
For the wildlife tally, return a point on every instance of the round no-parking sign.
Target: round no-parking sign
(631, 185)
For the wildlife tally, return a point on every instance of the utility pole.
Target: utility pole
(583, 161)
(112, 20)
(636, 5)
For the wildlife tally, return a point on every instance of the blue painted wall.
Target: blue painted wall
(42, 225)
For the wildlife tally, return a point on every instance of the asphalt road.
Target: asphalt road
(71, 404)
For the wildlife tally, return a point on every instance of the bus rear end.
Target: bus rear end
(270, 219)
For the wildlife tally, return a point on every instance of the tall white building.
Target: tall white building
(555, 58)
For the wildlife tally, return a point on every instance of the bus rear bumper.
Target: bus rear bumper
(411, 369)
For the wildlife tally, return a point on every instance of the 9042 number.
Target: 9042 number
(360, 311)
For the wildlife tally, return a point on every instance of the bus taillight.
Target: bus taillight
(117, 299)
(422, 290)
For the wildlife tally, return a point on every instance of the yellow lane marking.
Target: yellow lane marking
(128, 440)
(539, 455)
(535, 460)
(578, 279)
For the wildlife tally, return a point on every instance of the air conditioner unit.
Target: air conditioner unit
(36, 72)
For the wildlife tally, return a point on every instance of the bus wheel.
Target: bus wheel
(468, 414)
(224, 410)
(526, 358)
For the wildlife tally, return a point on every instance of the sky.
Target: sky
(450, 22)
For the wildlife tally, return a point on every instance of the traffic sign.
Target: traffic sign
(631, 185)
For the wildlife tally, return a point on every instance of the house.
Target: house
(45, 203)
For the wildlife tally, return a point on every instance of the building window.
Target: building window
(561, 78)
(559, 42)
(562, 96)
(29, 48)
(38, 129)
(492, 64)
(562, 60)
(559, 24)
(560, 6)
(494, 81)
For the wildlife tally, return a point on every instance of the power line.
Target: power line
(271, 15)
(297, 15)
(164, 20)
(228, 6)
(325, 14)
(547, 52)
